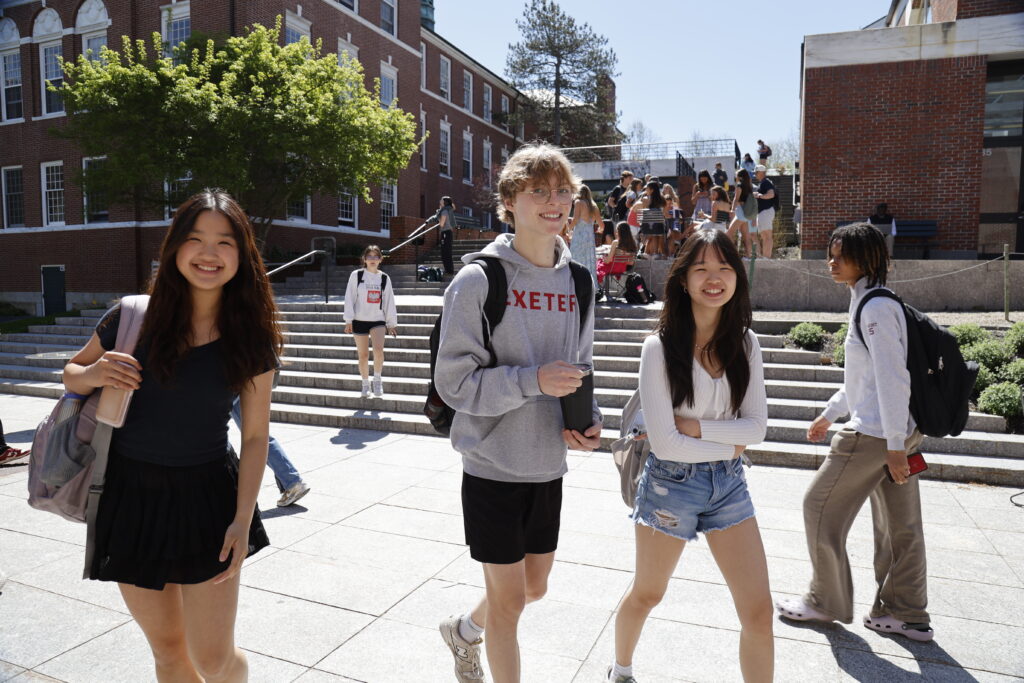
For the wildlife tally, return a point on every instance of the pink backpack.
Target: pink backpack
(69, 451)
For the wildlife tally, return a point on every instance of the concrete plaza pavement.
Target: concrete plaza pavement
(362, 570)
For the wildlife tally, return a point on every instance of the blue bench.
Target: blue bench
(911, 232)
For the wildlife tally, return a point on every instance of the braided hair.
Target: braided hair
(864, 245)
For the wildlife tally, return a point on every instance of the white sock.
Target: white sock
(619, 670)
(376, 376)
(468, 630)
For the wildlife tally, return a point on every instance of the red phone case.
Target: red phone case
(916, 462)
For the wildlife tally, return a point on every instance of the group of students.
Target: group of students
(749, 213)
(178, 514)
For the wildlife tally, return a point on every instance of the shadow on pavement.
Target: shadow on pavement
(287, 511)
(353, 439)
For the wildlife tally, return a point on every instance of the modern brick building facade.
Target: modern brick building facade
(97, 251)
(924, 112)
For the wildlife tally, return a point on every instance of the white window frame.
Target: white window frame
(467, 90)
(423, 65)
(354, 221)
(43, 80)
(168, 209)
(487, 162)
(3, 196)
(388, 71)
(488, 216)
(86, 37)
(444, 86)
(488, 103)
(505, 110)
(423, 143)
(349, 48)
(168, 15)
(444, 158)
(85, 196)
(467, 162)
(393, 4)
(385, 220)
(43, 190)
(504, 155)
(299, 24)
(3, 86)
(307, 207)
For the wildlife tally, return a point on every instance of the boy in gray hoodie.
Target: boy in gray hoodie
(508, 422)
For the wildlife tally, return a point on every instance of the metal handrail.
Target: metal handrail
(416, 234)
(302, 261)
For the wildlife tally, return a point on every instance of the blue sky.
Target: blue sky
(724, 70)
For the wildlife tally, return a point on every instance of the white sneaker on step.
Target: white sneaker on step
(378, 387)
(366, 389)
(467, 654)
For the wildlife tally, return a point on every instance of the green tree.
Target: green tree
(566, 70)
(265, 122)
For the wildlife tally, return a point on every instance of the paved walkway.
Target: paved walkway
(361, 572)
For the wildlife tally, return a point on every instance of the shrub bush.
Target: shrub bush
(969, 333)
(1001, 399)
(807, 335)
(993, 354)
(1015, 338)
(985, 379)
(839, 341)
(1013, 372)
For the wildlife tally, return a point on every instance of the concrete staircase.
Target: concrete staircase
(320, 384)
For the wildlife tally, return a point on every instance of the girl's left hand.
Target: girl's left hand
(393, 331)
(348, 328)
(587, 441)
(236, 546)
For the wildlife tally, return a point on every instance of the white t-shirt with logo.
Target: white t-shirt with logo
(363, 301)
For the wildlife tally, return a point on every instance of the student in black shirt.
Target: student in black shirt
(615, 199)
(178, 512)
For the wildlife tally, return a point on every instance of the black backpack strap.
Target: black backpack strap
(873, 294)
(497, 295)
(584, 284)
(383, 288)
(359, 277)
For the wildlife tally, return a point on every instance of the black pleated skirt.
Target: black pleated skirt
(158, 524)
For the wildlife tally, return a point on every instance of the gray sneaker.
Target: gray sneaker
(378, 387)
(293, 494)
(467, 654)
(619, 679)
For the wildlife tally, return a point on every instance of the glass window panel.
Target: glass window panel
(1004, 105)
(445, 139)
(387, 16)
(467, 90)
(53, 75)
(387, 91)
(291, 35)
(93, 46)
(346, 209)
(1000, 179)
(53, 187)
(14, 198)
(297, 208)
(388, 193)
(96, 209)
(12, 86)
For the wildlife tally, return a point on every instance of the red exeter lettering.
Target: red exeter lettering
(550, 297)
(534, 301)
(520, 298)
(572, 303)
(561, 303)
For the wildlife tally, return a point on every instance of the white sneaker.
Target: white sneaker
(292, 494)
(378, 386)
(467, 654)
(366, 389)
(619, 679)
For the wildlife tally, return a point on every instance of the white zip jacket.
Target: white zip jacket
(876, 384)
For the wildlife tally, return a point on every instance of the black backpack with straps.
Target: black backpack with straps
(941, 382)
(437, 411)
(383, 284)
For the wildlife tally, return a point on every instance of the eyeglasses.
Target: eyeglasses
(541, 195)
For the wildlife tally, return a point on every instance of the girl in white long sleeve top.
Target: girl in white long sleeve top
(703, 398)
(370, 310)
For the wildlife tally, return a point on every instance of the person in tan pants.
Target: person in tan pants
(878, 436)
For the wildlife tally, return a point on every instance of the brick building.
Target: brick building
(87, 251)
(923, 109)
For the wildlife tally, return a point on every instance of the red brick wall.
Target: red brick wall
(967, 9)
(907, 133)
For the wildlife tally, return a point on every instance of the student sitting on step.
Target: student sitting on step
(369, 311)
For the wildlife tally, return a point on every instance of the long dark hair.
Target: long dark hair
(743, 180)
(625, 236)
(700, 180)
(863, 244)
(677, 329)
(247, 316)
(718, 194)
(656, 200)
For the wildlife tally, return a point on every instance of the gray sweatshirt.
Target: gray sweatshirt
(505, 428)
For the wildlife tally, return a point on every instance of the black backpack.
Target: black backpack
(437, 411)
(636, 291)
(383, 284)
(941, 382)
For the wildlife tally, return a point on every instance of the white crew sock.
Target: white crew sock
(619, 670)
(468, 630)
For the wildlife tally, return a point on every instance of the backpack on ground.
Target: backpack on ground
(636, 291)
(383, 283)
(941, 382)
(437, 411)
(631, 449)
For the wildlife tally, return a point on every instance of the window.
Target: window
(176, 192)
(93, 45)
(52, 75)
(487, 219)
(346, 209)
(388, 85)
(446, 78)
(387, 15)
(296, 27)
(467, 158)
(423, 140)
(423, 64)
(12, 101)
(504, 112)
(388, 204)
(487, 164)
(53, 192)
(299, 209)
(487, 103)
(444, 153)
(96, 208)
(177, 26)
(291, 35)
(351, 4)
(14, 197)
(1004, 103)
(504, 155)
(467, 91)
(347, 48)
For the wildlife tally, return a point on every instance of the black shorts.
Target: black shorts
(506, 520)
(364, 326)
(652, 229)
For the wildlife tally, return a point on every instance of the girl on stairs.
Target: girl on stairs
(703, 397)
(369, 311)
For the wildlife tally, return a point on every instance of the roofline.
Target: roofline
(436, 38)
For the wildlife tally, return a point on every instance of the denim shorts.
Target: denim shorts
(680, 499)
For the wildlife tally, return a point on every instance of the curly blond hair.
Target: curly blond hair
(535, 162)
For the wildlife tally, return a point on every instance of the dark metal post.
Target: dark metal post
(326, 268)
